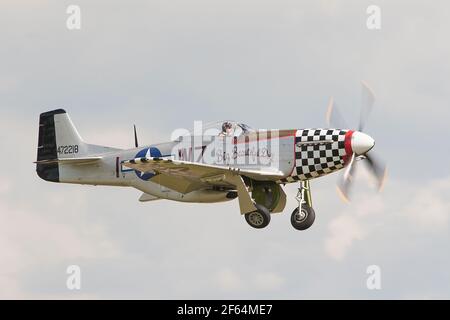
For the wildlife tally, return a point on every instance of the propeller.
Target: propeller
(334, 117)
(361, 144)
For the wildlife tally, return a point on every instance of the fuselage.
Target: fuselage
(301, 154)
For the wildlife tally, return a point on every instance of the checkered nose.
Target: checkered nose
(361, 143)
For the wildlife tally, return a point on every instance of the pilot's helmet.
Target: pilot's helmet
(226, 126)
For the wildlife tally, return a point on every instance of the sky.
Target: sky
(271, 64)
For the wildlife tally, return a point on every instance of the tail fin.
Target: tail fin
(68, 141)
(47, 146)
(59, 140)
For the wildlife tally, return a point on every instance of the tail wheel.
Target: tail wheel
(258, 219)
(304, 218)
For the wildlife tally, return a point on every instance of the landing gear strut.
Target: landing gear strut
(303, 216)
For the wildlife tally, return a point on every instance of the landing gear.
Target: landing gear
(257, 200)
(303, 216)
(258, 219)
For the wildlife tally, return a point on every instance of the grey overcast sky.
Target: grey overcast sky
(271, 64)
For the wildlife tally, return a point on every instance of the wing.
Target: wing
(185, 176)
(148, 197)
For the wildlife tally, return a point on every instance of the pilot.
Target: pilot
(227, 129)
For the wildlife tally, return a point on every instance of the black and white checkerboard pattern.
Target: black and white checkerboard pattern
(315, 160)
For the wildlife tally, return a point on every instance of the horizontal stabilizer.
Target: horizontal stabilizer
(84, 160)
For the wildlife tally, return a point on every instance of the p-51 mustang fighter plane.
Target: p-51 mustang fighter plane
(231, 161)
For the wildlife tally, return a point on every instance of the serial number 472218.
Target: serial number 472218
(71, 149)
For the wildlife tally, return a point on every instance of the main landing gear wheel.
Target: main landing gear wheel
(258, 219)
(304, 218)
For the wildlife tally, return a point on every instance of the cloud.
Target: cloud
(4, 186)
(271, 64)
(343, 231)
(429, 207)
(231, 281)
(268, 281)
(425, 208)
(228, 280)
(29, 239)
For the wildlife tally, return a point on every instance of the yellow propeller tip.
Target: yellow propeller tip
(383, 180)
(342, 195)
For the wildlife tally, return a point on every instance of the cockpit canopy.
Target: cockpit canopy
(226, 128)
(229, 128)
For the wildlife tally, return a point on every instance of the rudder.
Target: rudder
(58, 139)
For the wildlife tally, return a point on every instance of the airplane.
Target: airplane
(223, 161)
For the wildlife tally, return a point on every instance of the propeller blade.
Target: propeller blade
(135, 137)
(333, 116)
(378, 169)
(368, 100)
(345, 183)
